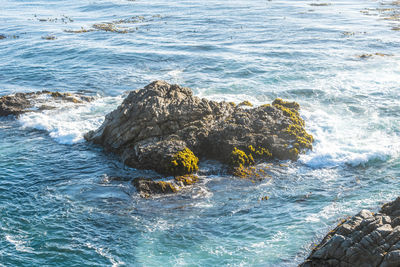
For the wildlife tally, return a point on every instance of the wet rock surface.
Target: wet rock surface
(367, 239)
(165, 128)
(148, 187)
(20, 103)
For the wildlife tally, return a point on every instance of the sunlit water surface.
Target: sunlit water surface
(58, 204)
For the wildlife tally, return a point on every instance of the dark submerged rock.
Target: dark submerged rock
(367, 239)
(147, 187)
(20, 103)
(155, 124)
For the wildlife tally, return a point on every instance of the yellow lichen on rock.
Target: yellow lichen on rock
(242, 162)
(184, 162)
(266, 105)
(250, 172)
(239, 158)
(260, 152)
(292, 113)
(291, 105)
(244, 171)
(166, 187)
(294, 153)
(246, 103)
(188, 179)
(303, 139)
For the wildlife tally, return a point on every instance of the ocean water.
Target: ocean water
(59, 205)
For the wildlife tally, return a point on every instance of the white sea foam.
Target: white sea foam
(20, 245)
(338, 140)
(348, 207)
(341, 140)
(105, 253)
(327, 212)
(68, 123)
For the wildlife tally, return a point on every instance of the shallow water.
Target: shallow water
(58, 203)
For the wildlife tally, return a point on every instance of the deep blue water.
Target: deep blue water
(58, 204)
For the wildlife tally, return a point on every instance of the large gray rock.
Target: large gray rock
(367, 239)
(20, 103)
(156, 122)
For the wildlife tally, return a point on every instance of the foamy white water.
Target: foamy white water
(341, 62)
(69, 122)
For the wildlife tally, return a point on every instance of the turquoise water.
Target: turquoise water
(59, 205)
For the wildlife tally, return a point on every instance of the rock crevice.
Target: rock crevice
(366, 239)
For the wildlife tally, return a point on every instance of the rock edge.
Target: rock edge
(366, 239)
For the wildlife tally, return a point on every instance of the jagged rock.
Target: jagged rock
(20, 103)
(155, 124)
(367, 239)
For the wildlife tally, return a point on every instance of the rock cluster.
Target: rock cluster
(20, 103)
(165, 128)
(367, 239)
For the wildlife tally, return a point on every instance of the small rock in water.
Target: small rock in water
(49, 37)
(148, 187)
(364, 56)
(320, 4)
(20, 103)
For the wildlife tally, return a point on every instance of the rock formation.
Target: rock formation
(20, 103)
(165, 128)
(367, 239)
(148, 187)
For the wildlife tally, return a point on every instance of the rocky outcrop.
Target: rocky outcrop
(367, 239)
(165, 128)
(147, 187)
(20, 103)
